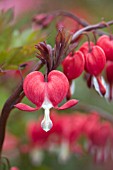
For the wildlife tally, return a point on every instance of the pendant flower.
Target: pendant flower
(46, 94)
(95, 61)
(73, 65)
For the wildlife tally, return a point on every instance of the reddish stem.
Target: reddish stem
(8, 106)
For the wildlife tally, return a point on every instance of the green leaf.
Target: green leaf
(11, 59)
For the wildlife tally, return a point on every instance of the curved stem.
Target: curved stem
(74, 17)
(90, 28)
(8, 106)
(70, 15)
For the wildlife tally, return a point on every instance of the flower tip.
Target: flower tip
(46, 125)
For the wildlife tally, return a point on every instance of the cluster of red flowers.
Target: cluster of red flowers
(67, 132)
(93, 59)
(47, 91)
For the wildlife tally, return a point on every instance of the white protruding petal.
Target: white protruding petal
(72, 87)
(96, 86)
(46, 123)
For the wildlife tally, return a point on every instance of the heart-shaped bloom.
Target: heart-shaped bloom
(73, 65)
(46, 94)
(95, 58)
(95, 61)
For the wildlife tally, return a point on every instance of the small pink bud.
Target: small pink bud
(73, 65)
(106, 43)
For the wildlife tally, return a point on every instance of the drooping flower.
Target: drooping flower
(73, 65)
(106, 43)
(95, 61)
(46, 94)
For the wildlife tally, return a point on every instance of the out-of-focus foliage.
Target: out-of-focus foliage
(17, 46)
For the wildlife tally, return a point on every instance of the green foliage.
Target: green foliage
(16, 46)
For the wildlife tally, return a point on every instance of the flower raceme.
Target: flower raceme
(46, 94)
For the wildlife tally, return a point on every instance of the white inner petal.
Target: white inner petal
(72, 87)
(96, 86)
(47, 104)
(46, 123)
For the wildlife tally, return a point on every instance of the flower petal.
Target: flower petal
(57, 87)
(68, 104)
(34, 87)
(25, 107)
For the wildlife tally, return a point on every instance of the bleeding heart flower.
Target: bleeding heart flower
(73, 65)
(46, 94)
(95, 61)
(106, 43)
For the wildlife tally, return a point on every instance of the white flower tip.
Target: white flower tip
(46, 125)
